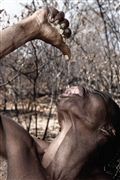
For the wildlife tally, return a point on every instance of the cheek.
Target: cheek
(96, 115)
(77, 106)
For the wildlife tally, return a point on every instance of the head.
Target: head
(91, 110)
(88, 120)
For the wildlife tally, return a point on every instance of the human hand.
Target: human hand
(53, 28)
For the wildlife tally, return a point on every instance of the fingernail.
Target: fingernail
(66, 57)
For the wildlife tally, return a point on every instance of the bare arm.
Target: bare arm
(40, 144)
(41, 26)
(21, 152)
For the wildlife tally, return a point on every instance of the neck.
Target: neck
(68, 153)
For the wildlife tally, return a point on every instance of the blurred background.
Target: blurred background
(34, 75)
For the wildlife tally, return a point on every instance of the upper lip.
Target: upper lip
(74, 90)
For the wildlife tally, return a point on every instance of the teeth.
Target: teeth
(66, 57)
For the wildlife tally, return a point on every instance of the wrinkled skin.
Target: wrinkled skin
(47, 24)
(89, 120)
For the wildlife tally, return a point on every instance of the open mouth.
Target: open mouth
(74, 90)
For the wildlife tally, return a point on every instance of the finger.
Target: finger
(64, 24)
(52, 13)
(65, 50)
(59, 17)
(67, 33)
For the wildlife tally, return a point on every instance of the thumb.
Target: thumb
(65, 50)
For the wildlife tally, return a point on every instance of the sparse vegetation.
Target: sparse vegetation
(33, 76)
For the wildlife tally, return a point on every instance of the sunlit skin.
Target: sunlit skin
(85, 125)
(88, 120)
(47, 24)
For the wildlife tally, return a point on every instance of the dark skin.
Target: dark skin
(12, 146)
(88, 120)
(47, 18)
(22, 156)
(85, 125)
(49, 25)
(85, 128)
(104, 122)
